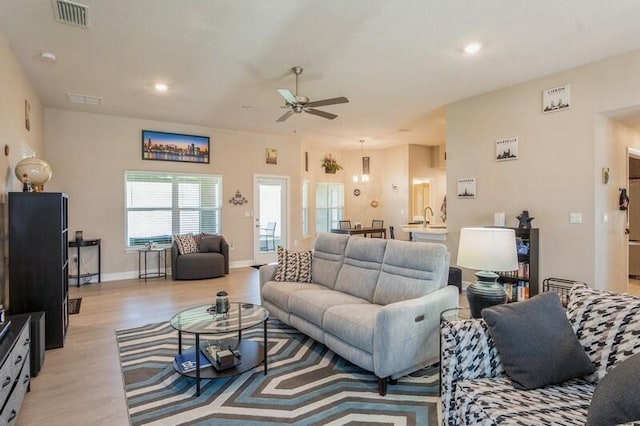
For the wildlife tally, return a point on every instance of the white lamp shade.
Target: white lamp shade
(488, 249)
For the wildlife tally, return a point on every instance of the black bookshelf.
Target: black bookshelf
(528, 244)
(39, 260)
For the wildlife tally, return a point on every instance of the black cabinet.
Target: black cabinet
(523, 283)
(39, 260)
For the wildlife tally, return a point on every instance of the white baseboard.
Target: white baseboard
(132, 275)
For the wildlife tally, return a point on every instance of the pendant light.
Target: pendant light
(364, 177)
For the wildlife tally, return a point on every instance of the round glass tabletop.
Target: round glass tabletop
(204, 319)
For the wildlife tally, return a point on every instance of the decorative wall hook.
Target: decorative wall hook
(238, 199)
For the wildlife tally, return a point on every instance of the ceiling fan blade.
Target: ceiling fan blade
(324, 102)
(288, 96)
(284, 116)
(319, 113)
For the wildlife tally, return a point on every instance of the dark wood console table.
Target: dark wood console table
(86, 243)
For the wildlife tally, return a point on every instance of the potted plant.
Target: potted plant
(330, 164)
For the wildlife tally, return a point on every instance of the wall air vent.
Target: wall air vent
(84, 99)
(71, 13)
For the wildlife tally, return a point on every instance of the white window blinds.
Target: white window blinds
(160, 204)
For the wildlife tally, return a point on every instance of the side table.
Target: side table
(86, 243)
(448, 316)
(162, 261)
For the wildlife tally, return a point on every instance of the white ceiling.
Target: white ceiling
(398, 62)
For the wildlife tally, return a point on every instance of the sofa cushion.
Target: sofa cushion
(536, 342)
(312, 304)
(607, 325)
(354, 324)
(293, 266)
(328, 254)
(615, 399)
(495, 401)
(210, 244)
(361, 267)
(186, 243)
(279, 293)
(409, 270)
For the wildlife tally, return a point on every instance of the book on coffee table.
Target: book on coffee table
(186, 361)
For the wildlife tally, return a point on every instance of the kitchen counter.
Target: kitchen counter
(437, 232)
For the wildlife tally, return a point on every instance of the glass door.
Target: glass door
(270, 217)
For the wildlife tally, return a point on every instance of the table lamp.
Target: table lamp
(487, 250)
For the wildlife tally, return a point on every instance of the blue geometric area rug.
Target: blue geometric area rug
(306, 384)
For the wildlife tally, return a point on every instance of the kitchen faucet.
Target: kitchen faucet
(424, 215)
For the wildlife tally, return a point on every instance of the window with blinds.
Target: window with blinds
(329, 206)
(159, 205)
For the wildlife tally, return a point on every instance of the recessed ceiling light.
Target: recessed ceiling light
(48, 56)
(161, 87)
(404, 130)
(472, 48)
(247, 106)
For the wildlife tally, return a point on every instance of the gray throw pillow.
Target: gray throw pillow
(615, 400)
(210, 244)
(536, 343)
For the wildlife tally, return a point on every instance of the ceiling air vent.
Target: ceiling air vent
(84, 99)
(71, 13)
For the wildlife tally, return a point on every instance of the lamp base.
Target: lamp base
(485, 292)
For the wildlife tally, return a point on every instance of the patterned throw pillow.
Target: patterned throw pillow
(607, 325)
(293, 266)
(186, 243)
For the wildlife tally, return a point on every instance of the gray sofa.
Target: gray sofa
(211, 260)
(374, 302)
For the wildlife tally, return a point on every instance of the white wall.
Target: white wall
(16, 88)
(557, 171)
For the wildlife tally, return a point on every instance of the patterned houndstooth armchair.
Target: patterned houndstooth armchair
(476, 390)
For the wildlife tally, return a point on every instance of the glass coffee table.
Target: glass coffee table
(203, 320)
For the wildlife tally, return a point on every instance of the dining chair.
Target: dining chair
(376, 223)
(269, 234)
(345, 224)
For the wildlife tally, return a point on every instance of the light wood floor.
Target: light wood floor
(81, 384)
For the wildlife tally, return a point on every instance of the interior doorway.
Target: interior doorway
(633, 220)
(421, 198)
(270, 217)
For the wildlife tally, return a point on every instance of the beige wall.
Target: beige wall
(558, 169)
(16, 88)
(89, 154)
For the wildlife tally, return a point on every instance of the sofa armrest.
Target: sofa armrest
(174, 258)
(467, 352)
(267, 273)
(224, 249)
(406, 334)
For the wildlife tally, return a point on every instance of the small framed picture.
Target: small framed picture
(467, 188)
(507, 149)
(271, 156)
(27, 115)
(556, 99)
(365, 165)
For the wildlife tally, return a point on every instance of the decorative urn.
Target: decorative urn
(38, 172)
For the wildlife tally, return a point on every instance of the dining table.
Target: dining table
(364, 231)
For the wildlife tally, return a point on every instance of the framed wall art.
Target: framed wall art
(507, 149)
(467, 188)
(163, 146)
(271, 156)
(556, 99)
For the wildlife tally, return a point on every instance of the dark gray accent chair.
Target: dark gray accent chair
(211, 262)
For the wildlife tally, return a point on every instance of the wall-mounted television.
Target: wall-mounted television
(162, 146)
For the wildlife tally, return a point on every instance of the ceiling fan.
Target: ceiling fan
(297, 103)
